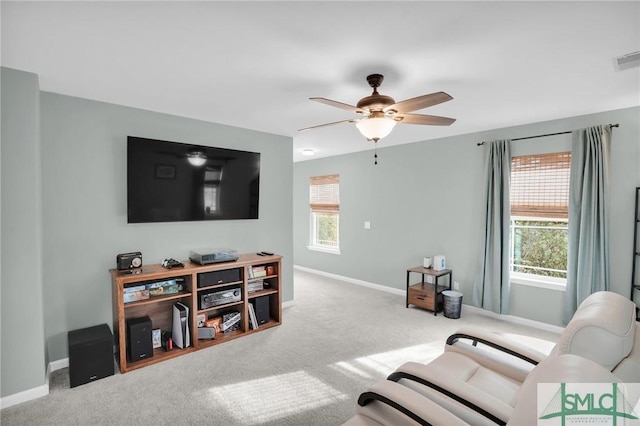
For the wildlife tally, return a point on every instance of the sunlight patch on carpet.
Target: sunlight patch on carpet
(270, 398)
(348, 369)
(385, 363)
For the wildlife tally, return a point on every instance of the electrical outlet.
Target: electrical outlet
(429, 279)
(367, 225)
(456, 285)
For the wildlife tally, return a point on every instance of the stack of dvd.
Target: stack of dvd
(254, 286)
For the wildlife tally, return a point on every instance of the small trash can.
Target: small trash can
(452, 303)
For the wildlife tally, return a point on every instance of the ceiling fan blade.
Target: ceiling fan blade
(419, 102)
(338, 105)
(353, 120)
(432, 120)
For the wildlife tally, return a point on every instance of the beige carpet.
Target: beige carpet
(335, 341)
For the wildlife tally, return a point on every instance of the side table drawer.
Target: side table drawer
(422, 295)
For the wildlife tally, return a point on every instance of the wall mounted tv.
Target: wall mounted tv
(176, 182)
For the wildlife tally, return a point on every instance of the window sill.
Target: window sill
(540, 283)
(324, 249)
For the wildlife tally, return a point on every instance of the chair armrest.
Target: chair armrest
(432, 383)
(463, 386)
(407, 402)
(498, 342)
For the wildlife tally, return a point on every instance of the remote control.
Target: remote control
(267, 253)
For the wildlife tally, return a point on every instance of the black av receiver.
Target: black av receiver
(217, 298)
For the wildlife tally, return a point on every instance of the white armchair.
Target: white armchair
(409, 407)
(481, 375)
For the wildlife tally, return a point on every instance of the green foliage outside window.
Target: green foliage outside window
(327, 229)
(540, 248)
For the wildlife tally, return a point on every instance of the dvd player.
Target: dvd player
(207, 256)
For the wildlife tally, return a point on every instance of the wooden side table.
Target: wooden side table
(428, 295)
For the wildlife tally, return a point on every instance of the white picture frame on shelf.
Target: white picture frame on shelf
(156, 338)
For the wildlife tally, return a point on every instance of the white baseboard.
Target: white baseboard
(288, 304)
(24, 396)
(480, 311)
(37, 392)
(59, 364)
(352, 280)
(27, 395)
(517, 320)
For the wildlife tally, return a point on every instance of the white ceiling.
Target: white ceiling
(255, 64)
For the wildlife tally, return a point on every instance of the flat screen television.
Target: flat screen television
(176, 182)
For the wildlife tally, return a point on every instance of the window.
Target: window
(212, 178)
(324, 203)
(539, 212)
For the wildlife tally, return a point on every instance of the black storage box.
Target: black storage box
(219, 277)
(90, 354)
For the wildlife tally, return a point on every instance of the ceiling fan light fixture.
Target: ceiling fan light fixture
(376, 126)
(196, 158)
(378, 114)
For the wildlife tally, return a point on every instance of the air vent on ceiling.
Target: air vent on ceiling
(630, 60)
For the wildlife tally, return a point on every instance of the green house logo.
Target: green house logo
(588, 404)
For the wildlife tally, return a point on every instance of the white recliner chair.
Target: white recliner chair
(603, 329)
(479, 383)
(390, 404)
(480, 386)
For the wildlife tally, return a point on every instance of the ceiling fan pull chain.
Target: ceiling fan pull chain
(375, 153)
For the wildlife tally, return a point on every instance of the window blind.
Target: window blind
(540, 185)
(324, 193)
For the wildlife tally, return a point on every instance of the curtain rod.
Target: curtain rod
(548, 134)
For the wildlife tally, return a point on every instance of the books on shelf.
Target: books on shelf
(135, 293)
(259, 271)
(163, 288)
(253, 321)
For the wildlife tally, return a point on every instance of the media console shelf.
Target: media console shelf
(159, 308)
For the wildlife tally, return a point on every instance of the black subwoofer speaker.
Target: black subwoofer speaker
(261, 307)
(139, 338)
(90, 354)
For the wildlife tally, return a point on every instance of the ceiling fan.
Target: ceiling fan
(381, 113)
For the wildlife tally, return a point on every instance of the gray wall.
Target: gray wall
(422, 199)
(79, 221)
(85, 205)
(22, 340)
